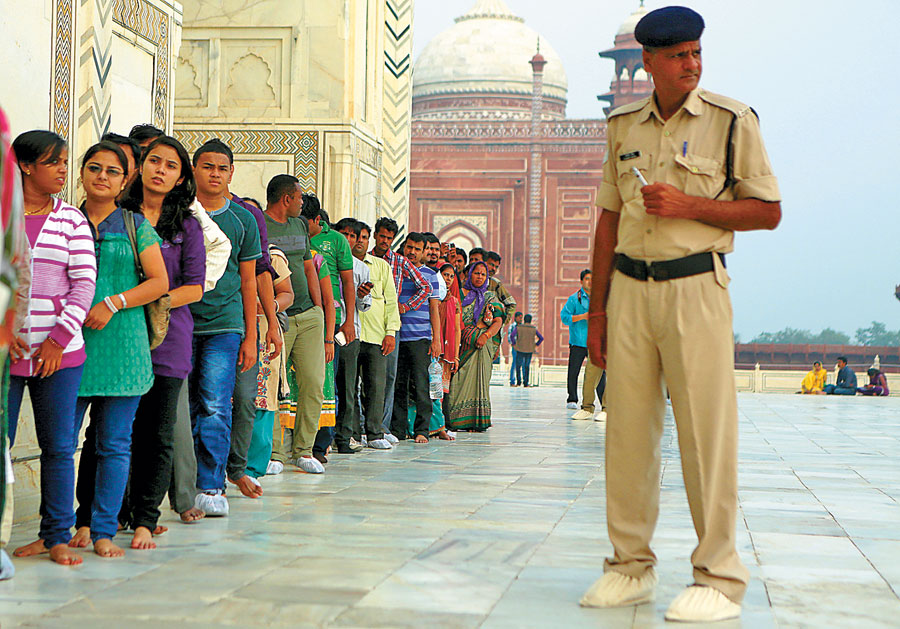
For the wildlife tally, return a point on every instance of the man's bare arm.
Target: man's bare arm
(666, 201)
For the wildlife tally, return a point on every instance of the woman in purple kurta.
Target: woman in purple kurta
(877, 386)
(164, 193)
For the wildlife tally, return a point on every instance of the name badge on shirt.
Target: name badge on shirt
(626, 156)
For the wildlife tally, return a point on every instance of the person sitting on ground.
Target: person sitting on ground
(846, 380)
(814, 381)
(877, 386)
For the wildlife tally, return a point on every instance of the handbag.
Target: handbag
(156, 312)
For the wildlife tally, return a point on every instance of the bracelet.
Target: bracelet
(109, 304)
(124, 303)
(55, 342)
(327, 342)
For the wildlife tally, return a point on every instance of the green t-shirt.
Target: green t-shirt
(292, 238)
(222, 310)
(333, 246)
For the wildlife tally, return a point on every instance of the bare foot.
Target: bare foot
(421, 439)
(192, 515)
(32, 549)
(442, 434)
(105, 548)
(248, 487)
(65, 556)
(142, 540)
(159, 530)
(82, 538)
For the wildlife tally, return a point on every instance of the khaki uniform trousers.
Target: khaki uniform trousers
(680, 329)
(592, 376)
(304, 342)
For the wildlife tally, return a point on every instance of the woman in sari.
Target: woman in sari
(482, 318)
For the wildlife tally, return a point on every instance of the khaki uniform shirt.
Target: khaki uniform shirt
(505, 297)
(688, 151)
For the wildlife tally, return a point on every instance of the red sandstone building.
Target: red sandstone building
(496, 164)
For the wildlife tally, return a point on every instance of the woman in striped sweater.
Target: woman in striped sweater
(48, 353)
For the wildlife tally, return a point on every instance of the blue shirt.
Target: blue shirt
(415, 325)
(576, 304)
(846, 378)
(222, 309)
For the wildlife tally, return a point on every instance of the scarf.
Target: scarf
(477, 295)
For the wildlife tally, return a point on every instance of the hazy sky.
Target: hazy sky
(823, 78)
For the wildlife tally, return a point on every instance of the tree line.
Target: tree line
(876, 334)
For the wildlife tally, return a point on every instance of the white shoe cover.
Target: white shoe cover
(274, 468)
(391, 439)
(615, 589)
(572, 405)
(215, 505)
(309, 465)
(699, 603)
(7, 569)
(363, 440)
(600, 417)
(380, 444)
(255, 481)
(583, 414)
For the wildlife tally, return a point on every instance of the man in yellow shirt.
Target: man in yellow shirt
(814, 381)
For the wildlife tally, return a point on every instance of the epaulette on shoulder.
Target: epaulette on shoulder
(736, 107)
(630, 108)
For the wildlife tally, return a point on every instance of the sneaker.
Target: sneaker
(600, 417)
(583, 414)
(274, 468)
(572, 405)
(391, 439)
(380, 444)
(215, 505)
(355, 445)
(309, 465)
(700, 603)
(615, 589)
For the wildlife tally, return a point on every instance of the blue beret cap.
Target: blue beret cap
(669, 26)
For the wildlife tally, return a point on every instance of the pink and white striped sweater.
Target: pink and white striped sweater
(64, 274)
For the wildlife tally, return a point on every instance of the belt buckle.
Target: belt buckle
(657, 272)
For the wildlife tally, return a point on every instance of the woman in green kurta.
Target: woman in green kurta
(117, 371)
(482, 318)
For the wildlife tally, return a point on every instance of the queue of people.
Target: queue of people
(209, 340)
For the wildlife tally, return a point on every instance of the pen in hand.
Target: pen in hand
(640, 177)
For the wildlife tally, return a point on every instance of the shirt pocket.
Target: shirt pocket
(700, 176)
(629, 185)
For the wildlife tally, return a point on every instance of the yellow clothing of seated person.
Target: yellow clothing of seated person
(814, 380)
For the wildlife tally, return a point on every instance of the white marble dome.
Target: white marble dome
(486, 51)
(630, 23)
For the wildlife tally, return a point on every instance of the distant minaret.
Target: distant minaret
(631, 82)
(535, 175)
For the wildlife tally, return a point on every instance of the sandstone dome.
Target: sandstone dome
(487, 51)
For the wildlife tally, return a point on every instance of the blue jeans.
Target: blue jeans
(831, 389)
(211, 387)
(523, 366)
(53, 401)
(112, 419)
(512, 368)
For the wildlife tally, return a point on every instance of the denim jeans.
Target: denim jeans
(831, 389)
(515, 376)
(211, 388)
(523, 367)
(53, 401)
(412, 382)
(112, 419)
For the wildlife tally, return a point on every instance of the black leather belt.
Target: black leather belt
(667, 269)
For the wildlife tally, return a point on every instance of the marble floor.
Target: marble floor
(507, 529)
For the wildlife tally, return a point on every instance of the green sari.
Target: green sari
(470, 397)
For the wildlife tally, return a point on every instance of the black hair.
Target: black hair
(364, 226)
(843, 359)
(476, 251)
(311, 207)
(447, 265)
(253, 201)
(528, 318)
(31, 146)
(214, 145)
(125, 142)
(279, 186)
(817, 362)
(323, 216)
(176, 206)
(387, 224)
(416, 237)
(872, 372)
(106, 145)
(349, 223)
(143, 132)
(431, 238)
(518, 314)
(585, 273)
(493, 255)
(462, 253)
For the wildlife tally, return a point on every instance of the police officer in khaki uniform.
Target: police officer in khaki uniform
(660, 310)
